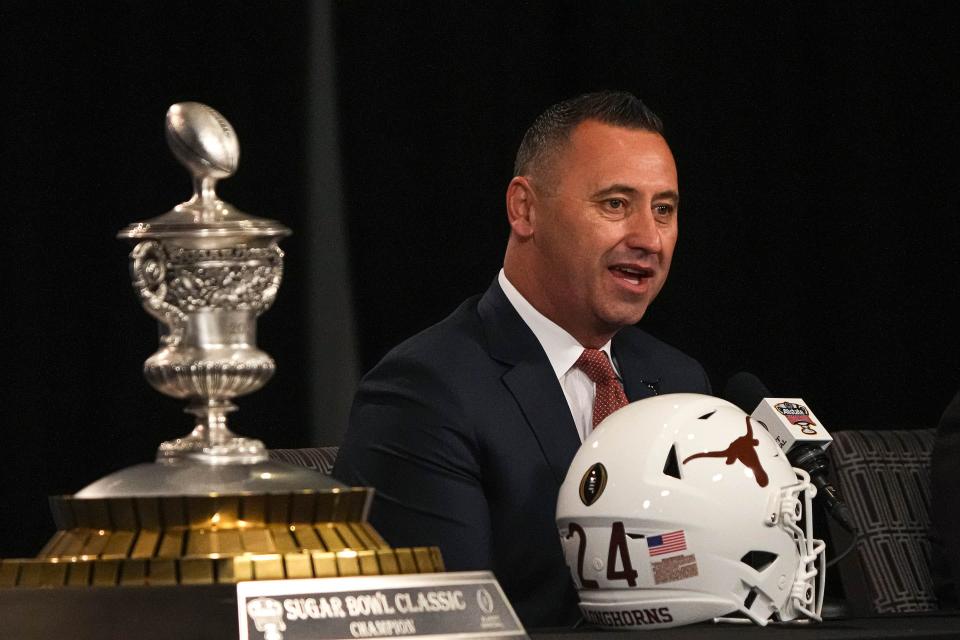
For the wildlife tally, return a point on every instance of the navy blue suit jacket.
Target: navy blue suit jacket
(466, 435)
(945, 490)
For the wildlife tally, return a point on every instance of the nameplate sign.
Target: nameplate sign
(424, 605)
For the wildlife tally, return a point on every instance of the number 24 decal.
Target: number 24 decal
(618, 547)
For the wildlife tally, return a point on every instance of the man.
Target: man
(467, 429)
(944, 490)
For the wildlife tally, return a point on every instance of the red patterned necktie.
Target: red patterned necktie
(610, 395)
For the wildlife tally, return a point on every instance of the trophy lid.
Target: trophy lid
(206, 144)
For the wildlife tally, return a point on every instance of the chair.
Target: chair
(319, 458)
(884, 476)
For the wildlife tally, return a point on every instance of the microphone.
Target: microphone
(798, 432)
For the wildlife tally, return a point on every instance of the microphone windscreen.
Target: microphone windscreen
(746, 391)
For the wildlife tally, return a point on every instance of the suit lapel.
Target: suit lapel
(639, 379)
(530, 379)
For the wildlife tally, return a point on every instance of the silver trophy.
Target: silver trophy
(206, 271)
(213, 508)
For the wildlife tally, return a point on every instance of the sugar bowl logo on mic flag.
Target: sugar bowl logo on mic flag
(799, 415)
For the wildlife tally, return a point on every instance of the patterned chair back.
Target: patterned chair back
(318, 458)
(884, 476)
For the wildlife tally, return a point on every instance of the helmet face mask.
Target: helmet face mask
(679, 509)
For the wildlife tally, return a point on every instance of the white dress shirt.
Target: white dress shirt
(562, 351)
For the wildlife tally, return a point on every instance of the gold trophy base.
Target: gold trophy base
(214, 539)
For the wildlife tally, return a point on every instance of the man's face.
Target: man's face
(605, 226)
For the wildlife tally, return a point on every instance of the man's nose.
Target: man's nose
(643, 232)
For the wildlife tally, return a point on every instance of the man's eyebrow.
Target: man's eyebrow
(670, 194)
(614, 189)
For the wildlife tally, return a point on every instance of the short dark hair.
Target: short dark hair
(552, 128)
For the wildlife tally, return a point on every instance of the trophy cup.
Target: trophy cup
(206, 271)
(213, 507)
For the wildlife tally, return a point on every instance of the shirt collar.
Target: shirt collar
(562, 349)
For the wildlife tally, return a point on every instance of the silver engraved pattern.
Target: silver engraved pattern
(235, 278)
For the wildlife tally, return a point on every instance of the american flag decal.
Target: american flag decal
(667, 543)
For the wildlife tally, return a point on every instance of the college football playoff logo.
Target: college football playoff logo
(484, 601)
(593, 483)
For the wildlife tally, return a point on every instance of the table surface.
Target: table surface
(209, 612)
(915, 627)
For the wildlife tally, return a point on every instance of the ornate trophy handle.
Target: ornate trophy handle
(148, 270)
(274, 276)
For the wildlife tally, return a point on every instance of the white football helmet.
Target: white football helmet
(681, 508)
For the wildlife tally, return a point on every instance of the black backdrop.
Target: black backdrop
(816, 143)
(815, 146)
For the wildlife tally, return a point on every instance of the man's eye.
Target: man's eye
(616, 203)
(663, 209)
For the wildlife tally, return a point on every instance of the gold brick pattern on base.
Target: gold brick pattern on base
(206, 570)
(213, 539)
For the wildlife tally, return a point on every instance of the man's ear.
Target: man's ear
(521, 205)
